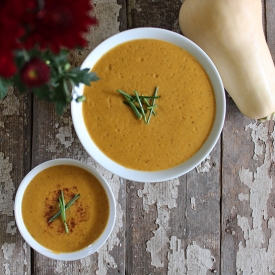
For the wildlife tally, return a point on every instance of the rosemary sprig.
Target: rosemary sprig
(63, 211)
(66, 207)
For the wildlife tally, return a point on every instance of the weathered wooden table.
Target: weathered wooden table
(217, 219)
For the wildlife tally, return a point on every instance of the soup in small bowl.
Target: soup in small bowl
(65, 209)
(157, 109)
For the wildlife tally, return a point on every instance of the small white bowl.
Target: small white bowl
(71, 256)
(204, 60)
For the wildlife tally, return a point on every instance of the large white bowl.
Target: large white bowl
(45, 251)
(200, 55)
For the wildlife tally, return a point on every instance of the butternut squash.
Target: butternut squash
(231, 33)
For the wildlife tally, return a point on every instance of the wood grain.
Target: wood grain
(15, 148)
(54, 137)
(217, 219)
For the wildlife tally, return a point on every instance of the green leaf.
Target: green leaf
(43, 93)
(3, 88)
(82, 76)
(60, 107)
(21, 87)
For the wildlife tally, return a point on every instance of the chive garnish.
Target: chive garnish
(152, 104)
(63, 211)
(125, 94)
(140, 104)
(141, 107)
(134, 107)
(66, 207)
(151, 107)
(127, 103)
(148, 105)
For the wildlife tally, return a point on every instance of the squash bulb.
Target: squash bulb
(231, 33)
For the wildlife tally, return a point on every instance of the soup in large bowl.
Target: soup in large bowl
(178, 110)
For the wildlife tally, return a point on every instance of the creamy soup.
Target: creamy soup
(86, 218)
(184, 114)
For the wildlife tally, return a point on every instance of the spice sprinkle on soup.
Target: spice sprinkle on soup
(185, 109)
(86, 218)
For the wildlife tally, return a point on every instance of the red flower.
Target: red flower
(7, 66)
(12, 18)
(60, 24)
(35, 73)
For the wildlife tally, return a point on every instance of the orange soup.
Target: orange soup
(86, 218)
(185, 111)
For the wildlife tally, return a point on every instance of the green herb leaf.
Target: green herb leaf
(152, 103)
(82, 76)
(62, 81)
(141, 110)
(69, 204)
(63, 211)
(3, 88)
(141, 107)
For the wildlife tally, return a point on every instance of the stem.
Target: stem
(65, 85)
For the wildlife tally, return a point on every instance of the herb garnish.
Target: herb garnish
(63, 207)
(140, 104)
(63, 211)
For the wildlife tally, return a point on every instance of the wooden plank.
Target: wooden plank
(54, 137)
(154, 13)
(248, 177)
(167, 229)
(15, 141)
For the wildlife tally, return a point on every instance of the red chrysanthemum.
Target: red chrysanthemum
(61, 24)
(7, 66)
(12, 19)
(35, 73)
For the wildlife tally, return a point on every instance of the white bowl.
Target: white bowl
(200, 55)
(45, 251)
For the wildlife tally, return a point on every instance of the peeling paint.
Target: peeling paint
(164, 195)
(205, 166)
(65, 134)
(11, 104)
(176, 258)
(12, 259)
(160, 193)
(11, 228)
(196, 260)
(25, 252)
(243, 197)
(8, 249)
(105, 259)
(193, 203)
(256, 253)
(6, 187)
(199, 260)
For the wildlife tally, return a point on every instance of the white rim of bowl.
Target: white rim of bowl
(208, 65)
(71, 256)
